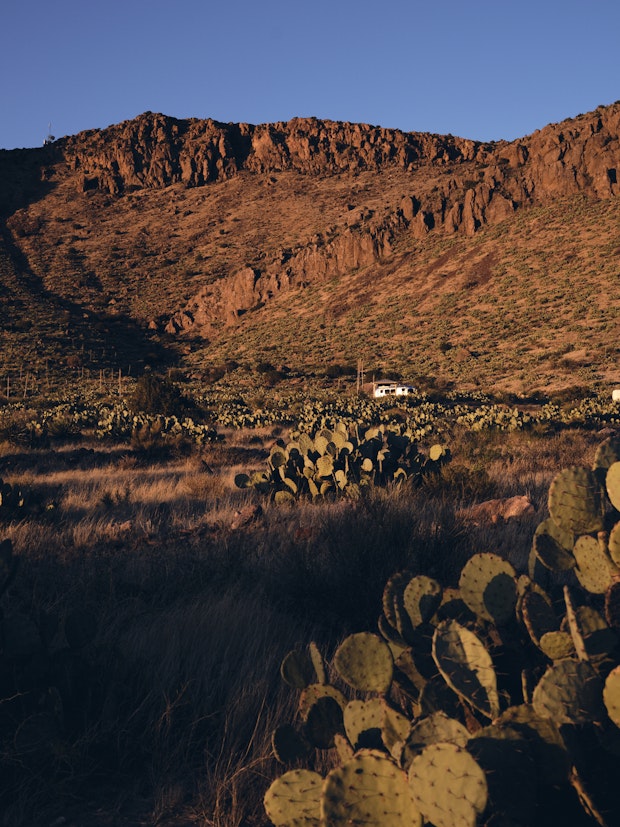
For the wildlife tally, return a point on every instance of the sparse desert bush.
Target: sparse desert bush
(157, 395)
(149, 439)
(460, 483)
(337, 370)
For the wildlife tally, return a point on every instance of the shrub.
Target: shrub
(156, 394)
(335, 371)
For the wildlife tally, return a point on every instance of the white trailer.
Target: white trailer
(383, 389)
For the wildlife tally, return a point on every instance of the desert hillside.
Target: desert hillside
(195, 560)
(309, 243)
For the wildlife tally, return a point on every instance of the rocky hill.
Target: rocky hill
(313, 241)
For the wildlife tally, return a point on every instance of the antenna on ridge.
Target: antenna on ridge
(50, 138)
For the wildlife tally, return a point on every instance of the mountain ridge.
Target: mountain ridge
(206, 223)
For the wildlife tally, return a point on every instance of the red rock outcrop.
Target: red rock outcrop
(155, 150)
(582, 155)
(456, 185)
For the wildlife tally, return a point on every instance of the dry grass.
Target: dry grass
(181, 687)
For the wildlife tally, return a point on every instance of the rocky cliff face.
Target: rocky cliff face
(477, 185)
(153, 150)
(452, 185)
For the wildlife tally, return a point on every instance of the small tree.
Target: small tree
(157, 395)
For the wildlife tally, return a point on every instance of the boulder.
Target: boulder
(500, 510)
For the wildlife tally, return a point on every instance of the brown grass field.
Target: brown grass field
(178, 691)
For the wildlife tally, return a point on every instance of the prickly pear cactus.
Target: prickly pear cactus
(437, 728)
(466, 666)
(301, 668)
(612, 482)
(611, 695)
(439, 721)
(295, 798)
(570, 692)
(369, 789)
(343, 462)
(575, 501)
(488, 586)
(365, 662)
(449, 787)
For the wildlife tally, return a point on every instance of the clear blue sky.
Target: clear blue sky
(475, 68)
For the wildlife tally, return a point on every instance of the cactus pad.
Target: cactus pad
(538, 615)
(421, 598)
(466, 666)
(612, 483)
(437, 728)
(343, 747)
(612, 605)
(598, 638)
(546, 743)
(614, 543)
(607, 453)
(288, 744)
(323, 721)
(575, 501)
(317, 661)
(298, 670)
(437, 451)
(489, 588)
(507, 760)
(570, 692)
(393, 596)
(557, 645)
(365, 662)
(283, 497)
(553, 546)
(369, 789)
(294, 799)
(395, 730)
(449, 787)
(574, 627)
(312, 693)
(611, 695)
(592, 565)
(363, 721)
(395, 641)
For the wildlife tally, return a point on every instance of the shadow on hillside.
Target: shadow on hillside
(116, 340)
(25, 175)
(113, 340)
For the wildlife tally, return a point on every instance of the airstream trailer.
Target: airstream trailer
(383, 389)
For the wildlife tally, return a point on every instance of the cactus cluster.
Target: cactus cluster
(494, 702)
(341, 461)
(582, 533)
